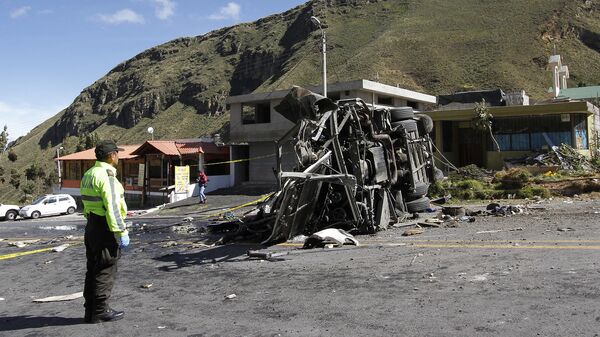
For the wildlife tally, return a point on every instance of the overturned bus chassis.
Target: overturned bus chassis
(359, 169)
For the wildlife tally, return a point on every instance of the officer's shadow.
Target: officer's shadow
(32, 322)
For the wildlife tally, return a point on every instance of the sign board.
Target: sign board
(182, 178)
(141, 169)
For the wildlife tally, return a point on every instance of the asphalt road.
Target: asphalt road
(497, 276)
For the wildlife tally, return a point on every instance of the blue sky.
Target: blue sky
(53, 49)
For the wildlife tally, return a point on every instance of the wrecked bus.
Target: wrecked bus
(359, 168)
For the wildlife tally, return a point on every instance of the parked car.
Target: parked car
(9, 212)
(51, 204)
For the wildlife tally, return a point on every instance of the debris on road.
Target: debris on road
(565, 229)
(59, 228)
(266, 255)
(146, 285)
(337, 237)
(23, 243)
(230, 297)
(413, 231)
(169, 244)
(59, 298)
(60, 248)
(184, 229)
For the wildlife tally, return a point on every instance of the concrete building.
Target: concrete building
(519, 129)
(255, 122)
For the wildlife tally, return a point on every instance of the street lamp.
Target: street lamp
(317, 22)
(151, 132)
(58, 165)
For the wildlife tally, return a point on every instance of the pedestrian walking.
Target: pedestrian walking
(105, 234)
(202, 181)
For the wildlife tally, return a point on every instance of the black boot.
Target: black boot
(107, 315)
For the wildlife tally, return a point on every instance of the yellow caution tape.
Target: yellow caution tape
(242, 160)
(29, 252)
(231, 209)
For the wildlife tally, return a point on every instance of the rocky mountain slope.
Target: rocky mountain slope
(435, 46)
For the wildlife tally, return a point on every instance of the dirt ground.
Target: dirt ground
(533, 274)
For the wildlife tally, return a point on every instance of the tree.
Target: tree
(3, 139)
(34, 172)
(483, 121)
(15, 178)
(12, 156)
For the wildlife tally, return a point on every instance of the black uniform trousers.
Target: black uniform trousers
(102, 252)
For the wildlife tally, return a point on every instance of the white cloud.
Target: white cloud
(20, 12)
(231, 11)
(21, 118)
(164, 9)
(121, 16)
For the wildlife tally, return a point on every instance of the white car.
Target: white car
(9, 212)
(51, 204)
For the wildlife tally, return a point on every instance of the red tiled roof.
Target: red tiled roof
(91, 155)
(190, 148)
(166, 147)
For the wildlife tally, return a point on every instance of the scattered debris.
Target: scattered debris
(146, 285)
(489, 232)
(60, 298)
(230, 297)
(60, 248)
(161, 327)
(184, 229)
(59, 228)
(169, 244)
(1, 298)
(269, 256)
(566, 229)
(333, 236)
(413, 231)
(23, 243)
(497, 210)
(563, 156)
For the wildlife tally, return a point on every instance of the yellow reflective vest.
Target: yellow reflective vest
(103, 195)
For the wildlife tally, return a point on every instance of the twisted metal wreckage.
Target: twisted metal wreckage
(359, 169)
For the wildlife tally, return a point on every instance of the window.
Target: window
(258, 113)
(447, 136)
(63, 199)
(534, 133)
(385, 100)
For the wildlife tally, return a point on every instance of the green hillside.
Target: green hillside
(435, 46)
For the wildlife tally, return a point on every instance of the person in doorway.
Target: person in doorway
(105, 233)
(202, 181)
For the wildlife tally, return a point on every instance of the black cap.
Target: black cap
(104, 147)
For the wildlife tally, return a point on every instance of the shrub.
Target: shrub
(439, 189)
(12, 156)
(533, 191)
(514, 178)
(468, 172)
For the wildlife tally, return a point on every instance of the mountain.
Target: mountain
(434, 46)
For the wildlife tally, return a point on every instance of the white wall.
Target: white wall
(214, 183)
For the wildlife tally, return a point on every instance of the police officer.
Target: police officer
(105, 233)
